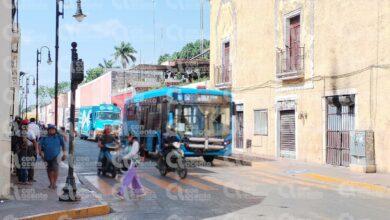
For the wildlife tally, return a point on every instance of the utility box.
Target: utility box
(362, 151)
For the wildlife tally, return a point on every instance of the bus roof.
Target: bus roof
(168, 91)
(101, 107)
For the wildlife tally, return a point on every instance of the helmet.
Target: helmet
(25, 122)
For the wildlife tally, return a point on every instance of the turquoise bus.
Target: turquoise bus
(201, 117)
(93, 119)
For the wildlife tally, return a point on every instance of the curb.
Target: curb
(235, 160)
(86, 212)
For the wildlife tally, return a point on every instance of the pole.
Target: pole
(154, 30)
(26, 100)
(202, 26)
(70, 190)
(36, 89)
(58, 14)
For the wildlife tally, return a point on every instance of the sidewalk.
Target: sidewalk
(320, 173)
(37, 201)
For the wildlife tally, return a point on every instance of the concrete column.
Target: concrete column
(6, 96)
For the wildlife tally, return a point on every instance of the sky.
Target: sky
(108, 22)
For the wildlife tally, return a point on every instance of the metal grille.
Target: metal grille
(240, 130)
(287, 133)
(340, 122)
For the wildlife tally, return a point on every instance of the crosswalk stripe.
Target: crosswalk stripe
(216, 181)
(293, 180)
(173, 187)
(193, 183)
(339, 181)
(100, 184)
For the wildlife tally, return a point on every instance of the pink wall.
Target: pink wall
(119, 100)
(96, 92)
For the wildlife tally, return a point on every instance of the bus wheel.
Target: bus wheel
(208, 159)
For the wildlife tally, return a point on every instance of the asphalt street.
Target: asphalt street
(227, 191)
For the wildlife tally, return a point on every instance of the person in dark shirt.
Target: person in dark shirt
(50, 150)
(106, 138)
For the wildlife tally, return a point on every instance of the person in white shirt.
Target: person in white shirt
(34, 128)
(131, 176)
(31, 148)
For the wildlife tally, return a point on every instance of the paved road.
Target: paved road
(227, 191)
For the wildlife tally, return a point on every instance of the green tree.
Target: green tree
(45, 93)
(163, 58)
(188, 51)
(124, 53)
(106, 64)
(93, 73)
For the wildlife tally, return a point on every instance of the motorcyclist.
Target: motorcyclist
(106, 138)
(168, 138)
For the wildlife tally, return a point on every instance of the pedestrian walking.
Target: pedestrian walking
(64, 134)
(15, 142)
(131, 176)
(34, 128)
(50, 150)
(27, 154)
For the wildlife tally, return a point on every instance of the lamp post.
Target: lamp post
(76, 77)
(27, 91)
(39, 59)
(21, 76)
(79, 16)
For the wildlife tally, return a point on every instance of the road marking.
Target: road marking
(345, 182)
(193, 183)
(293, 180)
(228, 184)
(101, 185)
(173, 187)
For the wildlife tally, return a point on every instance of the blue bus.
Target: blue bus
(202, 117)
(93, 119)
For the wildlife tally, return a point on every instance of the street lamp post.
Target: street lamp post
(39, 59)
(79, 16)
(76, 77)
(21, 76)
(27, 91)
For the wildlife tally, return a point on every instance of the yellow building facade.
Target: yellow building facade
(310, 78)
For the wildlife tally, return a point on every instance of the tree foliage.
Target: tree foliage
(93, 73)
(106, 64)
(124, 53)
(188, 51)
(46, 93)
(163, 58)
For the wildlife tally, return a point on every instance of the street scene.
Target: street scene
(195, 109)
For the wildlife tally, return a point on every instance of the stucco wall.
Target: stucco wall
(346, 51)
(5, 106)
(96, 92)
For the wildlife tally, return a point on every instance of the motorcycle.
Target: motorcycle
(111, 161)
(172, 159)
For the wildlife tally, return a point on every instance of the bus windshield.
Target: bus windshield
(202, 120)
(107, 116)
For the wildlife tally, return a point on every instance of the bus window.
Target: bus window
(132, 112)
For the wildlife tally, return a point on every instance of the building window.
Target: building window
(261, 122)
(293, 45)
(290, 58)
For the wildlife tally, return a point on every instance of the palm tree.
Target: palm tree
(125, 52)
(107, 64)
